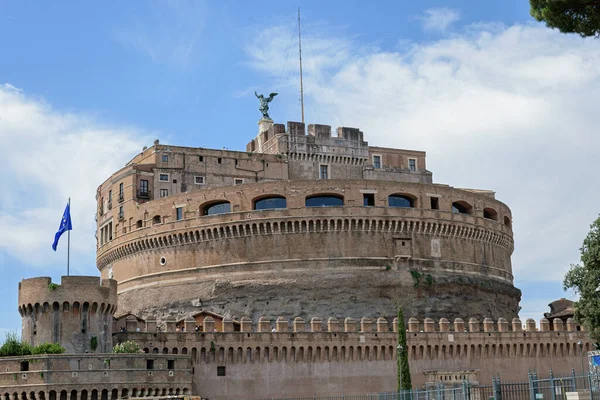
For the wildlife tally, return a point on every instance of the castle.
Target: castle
(278, 272)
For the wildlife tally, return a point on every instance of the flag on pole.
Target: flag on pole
(65, 225)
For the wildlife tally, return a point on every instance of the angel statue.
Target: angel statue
(264, 104)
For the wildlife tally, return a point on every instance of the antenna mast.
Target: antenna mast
(300, 53)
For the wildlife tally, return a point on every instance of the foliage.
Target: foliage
(403, 368)
(53, 286)
(569, 16)
(126, 347)
(429, 280)
(48, 348)
(14, 347)
(388, 267)
(416, 275)
(94, 343)
(584, 279)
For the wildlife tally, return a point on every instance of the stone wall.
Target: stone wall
(302, 358)
(94, 377)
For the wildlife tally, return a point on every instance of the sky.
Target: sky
(496, 99)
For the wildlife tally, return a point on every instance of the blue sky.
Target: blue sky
(497, 100)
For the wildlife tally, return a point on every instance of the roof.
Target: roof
(561, 308)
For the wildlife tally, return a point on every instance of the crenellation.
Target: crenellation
(459, 325)
(571, 325)
(382, 325)
(299, 325)
(444, 325)
(350, 325)
(488, 325)
(428, 325)
(208, 324)
(264, 324)
(413, 324)
(473, 325)
(366, 324)
(316, 324)
(502, 325)
(281, 324)
(333, 324)
(517, 326)
(227, 324)
(189, 324)
(170, 324)
(530, 325)
(245, 324)
(544, 325)
(557, 324)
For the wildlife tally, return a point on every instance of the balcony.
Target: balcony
(143, 194)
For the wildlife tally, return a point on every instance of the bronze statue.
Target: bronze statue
(264, 104)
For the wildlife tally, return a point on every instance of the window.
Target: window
(461, 207)
(368, 199)
(324, 172)
(149, 364)
(238, 181)
(164, 192)
(156, 220)
(170, 364)
(221, 371)
(270, 203)
(139, 223)
(219, 160)
(218, 208)
(121, 195)
(110, 199)
(412, 164)
(165, 158)
(24, 366)
(143, 186)
(490, 213)
(121, 213)
(199, 180)
(200, 158)
(507, 221)
(398, 200)
(163, 177)
(376, 162)
(324, 201)
(435, 203)
(179, 211)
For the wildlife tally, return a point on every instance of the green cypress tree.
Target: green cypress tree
(403, 368)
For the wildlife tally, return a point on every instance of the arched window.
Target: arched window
(270, 203)
(507, 221)
(156, 219)
(139, 223)
(401, 200)
(490, 213)
(329, 200)
(221, 207)
(461, 207)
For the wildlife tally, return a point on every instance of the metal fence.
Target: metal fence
(551, 388)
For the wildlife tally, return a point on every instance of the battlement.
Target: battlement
(363, 325)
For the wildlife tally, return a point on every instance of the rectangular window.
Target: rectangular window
(149, 364)
(412, 164)
(109, 199)
(179, 213)
(143, 186)
(165, 158)
(170, 364)
(121, 213)
(200, 158)
(376, 162)
(435, 203)
(164, 192)
(324, 172)
(219, 160)
(368, 199)
(163, 177)
(220, 371)
(199, 180)
(238, 181)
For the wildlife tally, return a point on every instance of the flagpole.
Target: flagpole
(68, 240)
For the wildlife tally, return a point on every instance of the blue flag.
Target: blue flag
(65, 225)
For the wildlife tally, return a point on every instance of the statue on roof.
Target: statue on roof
(264, 104)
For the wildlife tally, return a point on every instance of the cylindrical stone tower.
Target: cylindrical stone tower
(77, 314)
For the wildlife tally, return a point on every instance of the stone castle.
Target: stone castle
(278, 272)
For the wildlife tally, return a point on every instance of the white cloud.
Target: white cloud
(507, 108)
(439, 19)
(49, 156)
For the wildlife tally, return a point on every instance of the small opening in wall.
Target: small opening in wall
(200, 158)
(83, 330)
(219, 160)
(170, 364)
(149, 364)
(221, 371)
(35, 332)
(435, 203)
(163, 261)
(368, 199)
(24, 366)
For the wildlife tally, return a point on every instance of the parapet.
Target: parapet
(366, 325)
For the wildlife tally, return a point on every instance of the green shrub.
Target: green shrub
(94, 343)
(14, 347)
(53, 286)
(126, 347)
(48, 348)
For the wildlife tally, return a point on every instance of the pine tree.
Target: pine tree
(403, 368)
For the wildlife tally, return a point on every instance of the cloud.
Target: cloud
(507, 108)
(438, 19)
(49, 156)
(168, 35)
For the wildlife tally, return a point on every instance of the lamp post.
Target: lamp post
(399, 350)
(580, 343)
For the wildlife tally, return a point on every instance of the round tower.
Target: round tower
(77, 314)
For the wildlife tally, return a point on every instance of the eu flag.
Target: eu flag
(65, 225)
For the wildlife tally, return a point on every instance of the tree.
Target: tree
(569, 16)
(12, 346)
(127, 347)
(403, 368)
(584, 279)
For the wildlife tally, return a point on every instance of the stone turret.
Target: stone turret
(77, 314)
